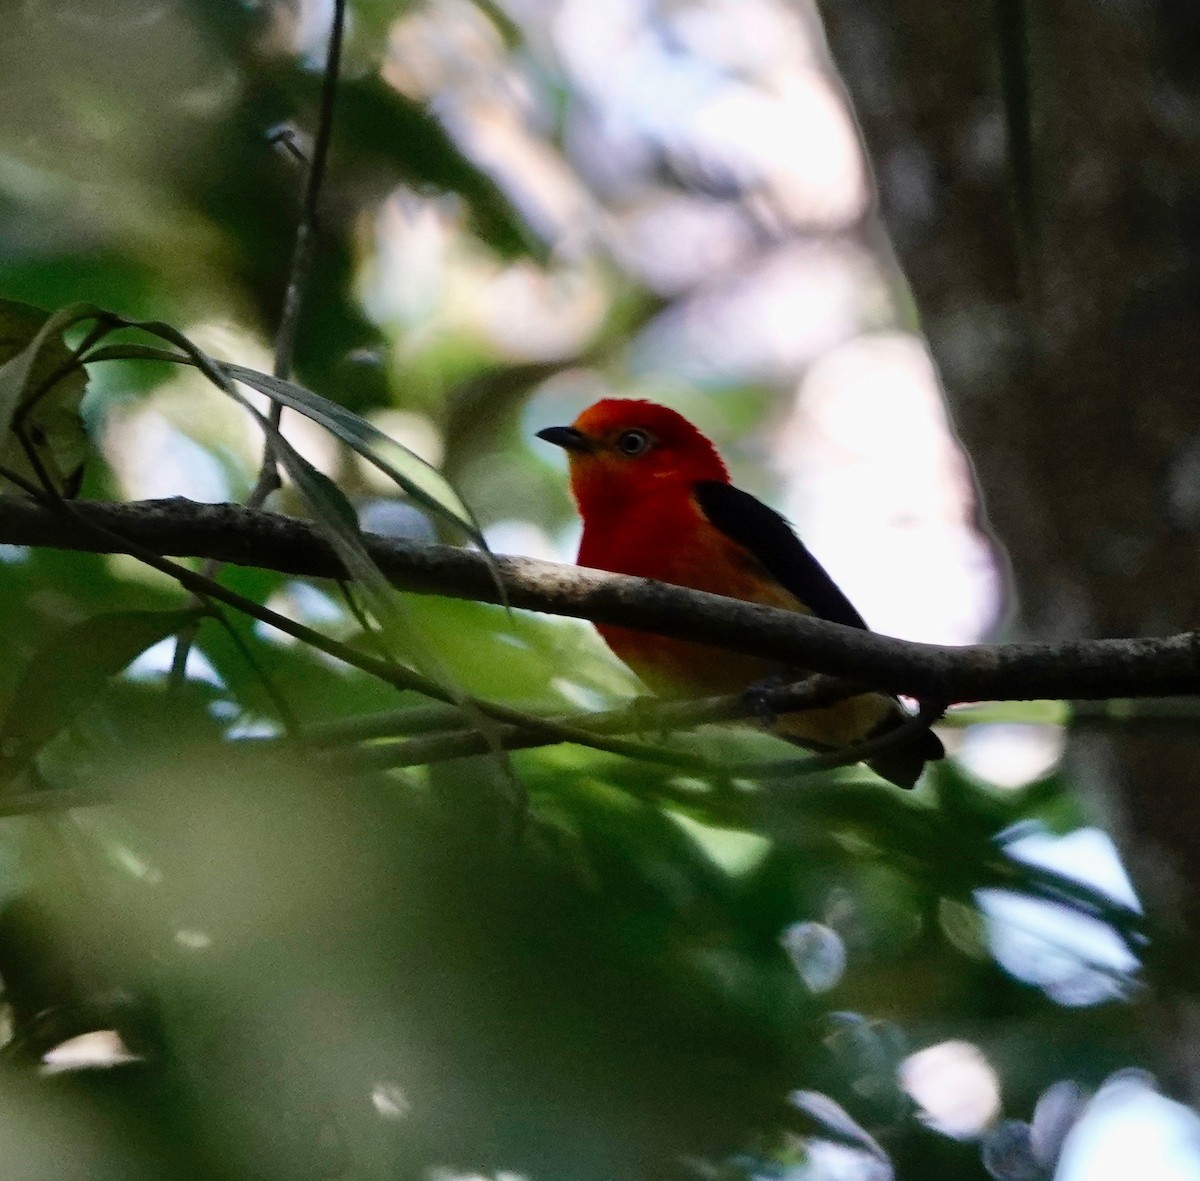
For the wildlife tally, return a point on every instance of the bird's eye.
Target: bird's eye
(633, 442)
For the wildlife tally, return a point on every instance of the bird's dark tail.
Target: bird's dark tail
(903, 764)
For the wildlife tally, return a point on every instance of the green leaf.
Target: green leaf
(332, 513)
(41, 386)
(334, 516)
(519, 658)
(419, 480)
(67, 671)
(422, 482)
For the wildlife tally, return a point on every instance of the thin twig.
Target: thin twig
(285, 137)
(302, 251)
(460, 744)
(19, 481)
(645, 715)
(293, 301)
(591, 730)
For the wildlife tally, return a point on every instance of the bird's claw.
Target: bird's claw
(646, 720)
(758, 698)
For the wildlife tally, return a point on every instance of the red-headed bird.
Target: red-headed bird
(656, 501)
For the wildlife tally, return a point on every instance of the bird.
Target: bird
(657, 502)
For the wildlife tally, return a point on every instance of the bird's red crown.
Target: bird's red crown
(626, 448)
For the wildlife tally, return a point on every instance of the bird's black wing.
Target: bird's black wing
(762, 531)
(770, 540)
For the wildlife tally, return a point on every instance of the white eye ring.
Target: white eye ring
(632, 442)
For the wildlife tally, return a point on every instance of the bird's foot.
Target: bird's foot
(758, 698)
(646, 716)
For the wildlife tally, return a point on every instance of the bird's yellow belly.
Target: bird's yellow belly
(678, 668)
(681, 668)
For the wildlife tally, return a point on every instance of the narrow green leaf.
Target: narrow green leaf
(333, 513)
(67, 671)
(352, 429)
(369, 442)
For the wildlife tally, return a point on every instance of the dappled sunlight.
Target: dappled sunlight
(816, 181)
(1130, 1130)
(1079, 960)
(817, 953)
(767, 322)
(156, 663)
(308, 604)
(193, 940)
(402, 277)
(155, 459)
(99, 1049)
(448, 45)
(414, 431)
(883, 494)
(674, 241)
(191, 439)
(429, 284)
(532, 314)
(390, 1101)
(955, 1086)
(1011, 755)
(522, 537)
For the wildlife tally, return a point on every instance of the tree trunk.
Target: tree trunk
(1070, 366)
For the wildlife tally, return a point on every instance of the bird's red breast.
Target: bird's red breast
(665, 536)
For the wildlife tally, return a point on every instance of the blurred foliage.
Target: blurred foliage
(315, 971)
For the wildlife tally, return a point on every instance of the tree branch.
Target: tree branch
(1087, 669)
(302, 251)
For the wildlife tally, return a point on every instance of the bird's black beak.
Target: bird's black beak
(567, 437)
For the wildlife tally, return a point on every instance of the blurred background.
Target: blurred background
(929, 280)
